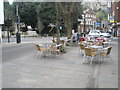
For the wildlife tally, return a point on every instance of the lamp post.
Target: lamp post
(84, 24)
(18, 37)
(1, 18)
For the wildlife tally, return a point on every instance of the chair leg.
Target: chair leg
(110, 57)
(40, 55)
(84, 59)
(91, 61)
(101, 59)
(52, 54)
(37, 54)
(79, 52)
(49, 53)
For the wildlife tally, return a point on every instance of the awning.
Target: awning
(115, 25)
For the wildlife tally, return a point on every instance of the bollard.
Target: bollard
(18, 37)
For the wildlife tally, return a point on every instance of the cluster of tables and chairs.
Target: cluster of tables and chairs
(50, 49)
(95, 50)
(47, 49)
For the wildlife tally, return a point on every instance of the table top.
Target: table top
(98, 47)
(59, 45)
(105, 42)
(87, 42)
(49, 44)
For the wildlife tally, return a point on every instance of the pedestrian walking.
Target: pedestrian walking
(74, 39)
(78, 36)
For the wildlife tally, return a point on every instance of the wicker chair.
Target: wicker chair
(106, 54)
(89, 52)
(95, 44)
(82, 48)
(90, 41)
(40, 50)
(54, 51)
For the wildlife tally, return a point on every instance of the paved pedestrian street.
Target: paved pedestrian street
(59, 44)
(62, 71)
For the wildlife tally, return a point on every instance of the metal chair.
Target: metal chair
(89, 52)
(40, 51)
(81, 48)
(54, 50)
(106, 54)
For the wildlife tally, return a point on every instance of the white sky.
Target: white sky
(1, 13)
(10, 1)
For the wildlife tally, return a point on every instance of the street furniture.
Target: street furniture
(81, 48)
(106, 53)
(89, 53)
(40, 50)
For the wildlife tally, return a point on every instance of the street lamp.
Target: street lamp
(1, 18)
(84, 23)
(18, 38)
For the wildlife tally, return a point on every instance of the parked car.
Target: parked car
(97, 33)
(118, 32)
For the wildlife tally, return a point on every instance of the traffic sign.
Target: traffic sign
(60, 27)
(98, 24)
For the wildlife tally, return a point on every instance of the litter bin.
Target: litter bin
(18, 37)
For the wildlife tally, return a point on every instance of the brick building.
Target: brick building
(115, 14)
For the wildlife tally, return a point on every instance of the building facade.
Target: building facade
(88, 21)
(115, 11)
(115, 14)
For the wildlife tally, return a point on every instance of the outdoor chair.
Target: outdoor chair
(97, 44)
(89, 53)
(82, 48)
(54, 41)
(81, 42)
(68, 43)
(106, 54)
(40, 50)
(54, 51)
(90, 41)
(62, 42)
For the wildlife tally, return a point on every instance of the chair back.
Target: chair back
(62, 42)
(90, 52)
(96, 44)
(82, 46)
(37, 47)
(94, 49)
(90, 41)
(109, 50)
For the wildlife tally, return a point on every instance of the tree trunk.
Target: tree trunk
(68, 27)
(40, 26)
(68, 16)
(57, 23)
